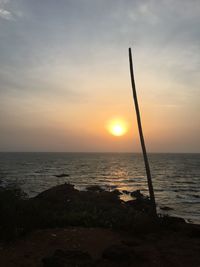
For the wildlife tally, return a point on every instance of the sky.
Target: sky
(64, 74)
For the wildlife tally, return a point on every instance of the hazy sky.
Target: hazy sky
(64, 73)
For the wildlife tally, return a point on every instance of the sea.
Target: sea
(176, 177)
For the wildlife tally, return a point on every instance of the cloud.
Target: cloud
(5, 14)
(9, 10)
(65, 59)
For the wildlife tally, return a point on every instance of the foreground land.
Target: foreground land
(66, 227)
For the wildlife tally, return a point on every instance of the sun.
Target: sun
(117, 130)
(117, 127)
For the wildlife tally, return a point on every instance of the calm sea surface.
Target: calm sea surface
(176, 177)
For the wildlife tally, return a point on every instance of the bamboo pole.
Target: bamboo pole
(146, 162)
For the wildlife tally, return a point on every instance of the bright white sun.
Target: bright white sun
(117, 128)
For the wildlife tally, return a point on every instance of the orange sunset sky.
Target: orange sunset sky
(64, 75)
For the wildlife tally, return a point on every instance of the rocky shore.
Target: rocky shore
(66, 227)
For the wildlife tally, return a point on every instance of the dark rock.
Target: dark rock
(137, 194)
(142, 204)
(57, 193)
(195, 232)
(116, 192)
(171, 222)
(126, 192)
(95, 188)
(62, 175)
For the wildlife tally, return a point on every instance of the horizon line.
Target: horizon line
(101, 152)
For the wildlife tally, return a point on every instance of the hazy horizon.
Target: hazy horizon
(64, 74)
(97, 152)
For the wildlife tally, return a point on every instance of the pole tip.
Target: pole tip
(129, 52)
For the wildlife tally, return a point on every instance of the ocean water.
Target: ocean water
(176, 177)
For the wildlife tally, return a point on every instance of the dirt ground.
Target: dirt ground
(165, 249)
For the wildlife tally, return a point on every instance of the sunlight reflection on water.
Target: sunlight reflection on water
(176, 177)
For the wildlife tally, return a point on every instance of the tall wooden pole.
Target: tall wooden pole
(146, 162)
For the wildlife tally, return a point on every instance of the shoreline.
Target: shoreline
(175, 178)
(47, 228)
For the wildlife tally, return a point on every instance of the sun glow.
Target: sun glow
(117, 127)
